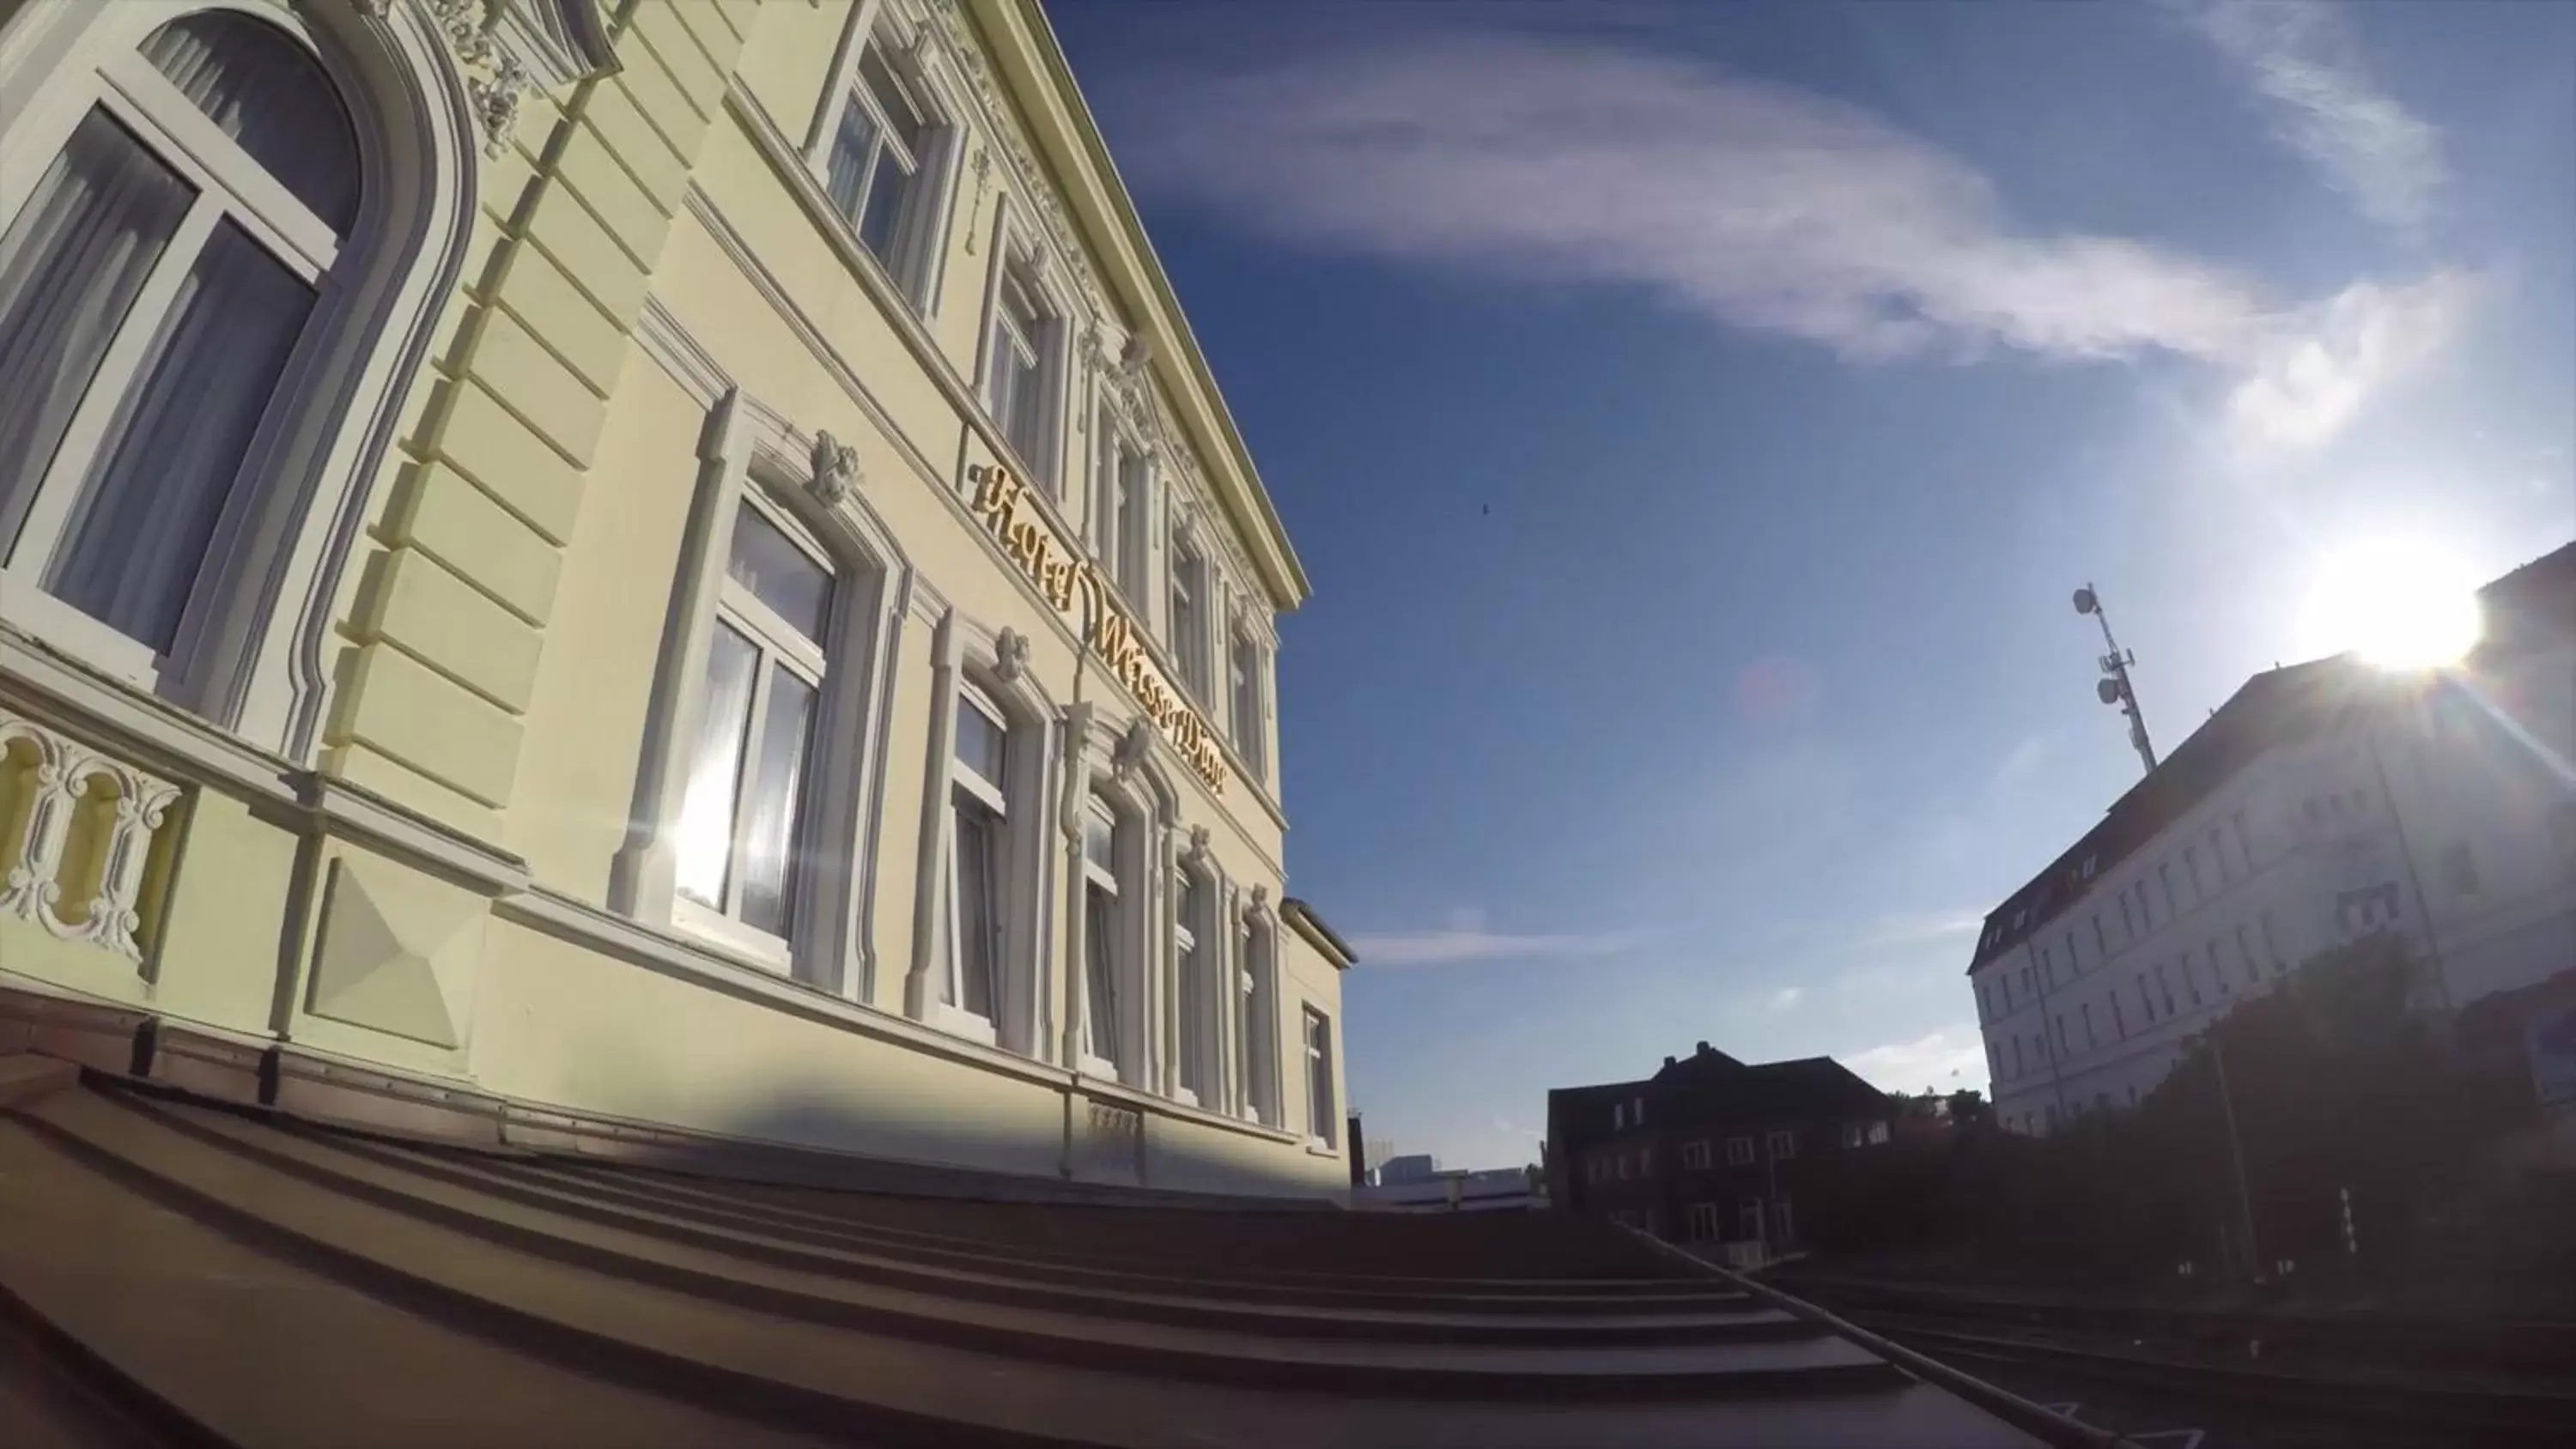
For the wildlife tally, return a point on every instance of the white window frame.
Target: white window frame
(1705, 1222)
(775, 642)
(1019, 264)
(1198, 1045)
(101, 67)
(1123, 975)
(971, 663)
(1248, 694)
(257, 658)
(1782, 1144)
(1316, 1034)
(1257, 1017)
(749, 456)
(915, 265)
(994, 797)
(1188, 575)
(1695, 1155)
(1739, 1151)
(1124, 472)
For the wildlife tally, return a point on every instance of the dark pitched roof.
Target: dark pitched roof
(228, 1275)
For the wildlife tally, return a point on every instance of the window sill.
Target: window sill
(958, 1022)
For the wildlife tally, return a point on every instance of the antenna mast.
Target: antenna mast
(2114, 686)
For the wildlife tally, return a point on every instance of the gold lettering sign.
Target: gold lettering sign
(1073, 587)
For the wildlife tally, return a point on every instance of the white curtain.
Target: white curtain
(69, 268)
(269, 94)
(1101, 975)
(149, 507)
(777, 781)
(703, 841)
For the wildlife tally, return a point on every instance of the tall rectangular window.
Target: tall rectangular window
(1019, 373)
(2119, 1019)
(739, 817)
(979, 805)
(2217, 977)
(2272, 948)
(874, 170)
(1101, 943)
(1319, 1077)
(1246, 714)
(1118, 519)
(1695, 1156)
(2101, 943)
(1739, 1152)
(1189, 928)
(1189, 615)
(1783, 1144)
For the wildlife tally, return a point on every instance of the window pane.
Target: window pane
(149, 508)
(1100, 839)
(882, 224)
(979, 921)
(846, 175)
(1127, 546)
(892, 98)
(69, 268)
(269, 94)
(1193, 991)
(1100, 977)
(769, 832)
(982, 742)
(715, 768)
(780, 574)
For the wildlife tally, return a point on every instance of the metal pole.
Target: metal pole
(2236, 1156)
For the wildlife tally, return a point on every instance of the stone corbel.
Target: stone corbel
(1133, 748)
(1197, 854)
(495, 79)
(1010, 656)
(836, 470)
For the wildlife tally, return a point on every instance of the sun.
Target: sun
(2396, 602)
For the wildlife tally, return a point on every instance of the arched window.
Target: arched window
(157, 274)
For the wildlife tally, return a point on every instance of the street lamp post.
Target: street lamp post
(2236, 1156)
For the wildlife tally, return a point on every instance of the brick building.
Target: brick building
(1710, 1149)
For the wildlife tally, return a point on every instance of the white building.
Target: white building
(2321, 803)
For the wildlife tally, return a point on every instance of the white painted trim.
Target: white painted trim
(963, 652)
(744, 447)
(68, 694)
(968, 407)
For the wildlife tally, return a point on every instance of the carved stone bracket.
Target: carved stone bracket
(836, 469)
(1133, 748)
(495, 80)
(1198, 851)
(1010, 656)
(85, 825)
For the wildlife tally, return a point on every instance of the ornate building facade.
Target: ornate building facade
(610, 575)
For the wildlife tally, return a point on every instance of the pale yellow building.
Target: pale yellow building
(622, 575)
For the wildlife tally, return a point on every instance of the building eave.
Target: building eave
(1024, 45)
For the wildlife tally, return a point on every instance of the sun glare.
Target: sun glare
(2396, 603)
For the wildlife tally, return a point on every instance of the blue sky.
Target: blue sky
(1694, 418)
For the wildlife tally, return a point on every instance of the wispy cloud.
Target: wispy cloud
(1769, 207)
(2311, 381)
(1787, 998)
(1944, 1060)
(1775, 210)
(1454, 946)
(2301, 57)
(1919, 930)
